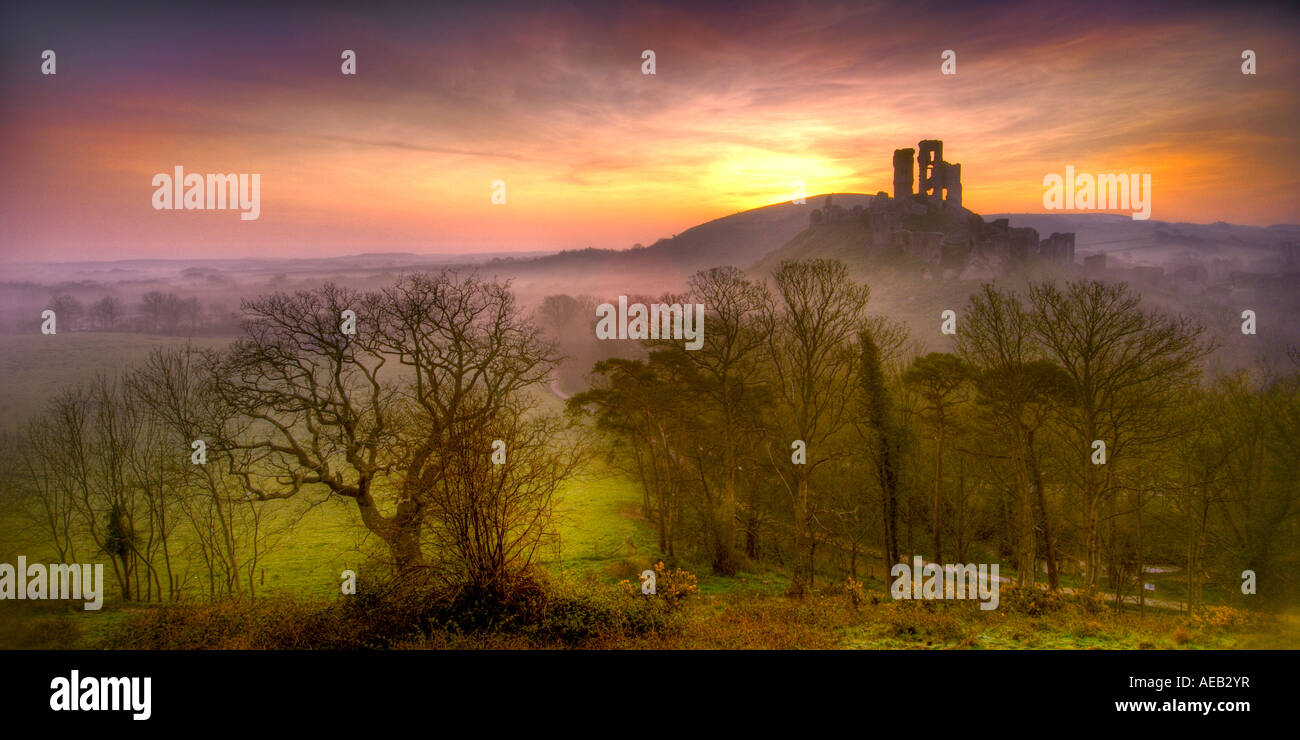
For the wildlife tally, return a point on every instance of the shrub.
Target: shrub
(1218, 618)
(575, 614)
(1030, 600)
(673, 586)
(850, 590)
(227, 624)
(385, 611)
(1088, 601)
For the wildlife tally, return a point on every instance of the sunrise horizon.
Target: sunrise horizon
(590, 150)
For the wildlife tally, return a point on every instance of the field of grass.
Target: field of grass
(595, 527)
(34, 367)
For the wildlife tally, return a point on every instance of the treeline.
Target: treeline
(153, 312)
(1071, 435)
(156, 312)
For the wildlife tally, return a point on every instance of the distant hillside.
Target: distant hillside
(354, 266)
(1150, 242)
(739, 239)
(842, 241)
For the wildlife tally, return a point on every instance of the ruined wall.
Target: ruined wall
(952, 187)
(940, 181)
(1094, 265)
(930, 152)
(1058, 248)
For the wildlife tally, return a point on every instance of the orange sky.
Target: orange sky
(747, 99)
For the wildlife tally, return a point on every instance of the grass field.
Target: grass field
(35, 367)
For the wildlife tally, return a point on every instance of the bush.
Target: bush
(672, 586)
(577, 614)
(1088, 601)
(1219, 618)
(386, 611)
(509, 609)
(675, 585)
(381, 614)
(850, 590)
(1030, 600)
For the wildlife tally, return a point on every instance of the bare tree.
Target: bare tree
(810, 329)
(1126, 365)
(387, 416)
(1016, 389)
(174, 388)
(106, 312)
(68, 309)
(730, 372)
(940, 379)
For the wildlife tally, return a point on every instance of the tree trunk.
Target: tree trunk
(724, 554)
(751, 523)
(1026, 541)
(1049, 542)
(401, 532)
(938, 498)
(798, 584)
(961, 511)
(1141, 567)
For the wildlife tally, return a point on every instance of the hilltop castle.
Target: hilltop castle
(925, 221)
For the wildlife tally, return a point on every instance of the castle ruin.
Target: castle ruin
(924, 220)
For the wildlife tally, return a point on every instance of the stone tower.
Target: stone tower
(931, 153)
(940, 181)
(903, 177)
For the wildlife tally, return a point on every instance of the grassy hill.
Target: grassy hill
(739, 239)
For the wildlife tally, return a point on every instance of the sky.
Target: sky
(747, 98)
